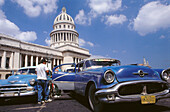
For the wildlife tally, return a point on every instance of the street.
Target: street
(76, 103)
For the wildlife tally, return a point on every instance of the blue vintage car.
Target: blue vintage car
(106, 81)
(23, 83)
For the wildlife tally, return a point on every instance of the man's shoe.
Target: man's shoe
(57, 96)
(39, 103)
(42, 102)
(49, 100)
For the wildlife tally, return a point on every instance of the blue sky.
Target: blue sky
(127, 30)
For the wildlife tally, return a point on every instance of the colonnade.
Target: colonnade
(15, 60)
(64, 36)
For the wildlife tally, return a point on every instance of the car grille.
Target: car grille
(138, 88)
(15, 88)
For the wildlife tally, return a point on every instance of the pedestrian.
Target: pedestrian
(42, 82)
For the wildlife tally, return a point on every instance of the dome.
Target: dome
(63, 17)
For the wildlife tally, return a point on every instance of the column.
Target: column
(11, 60)
(69, 37)
(56, 37)
(31, 60)
(26, 60)
(60, 37)
(63, 37)
(54, 62)
(36, 60)
(4, 59)
(49, 64)
(58, 62)
(66, 37)
(16, 60)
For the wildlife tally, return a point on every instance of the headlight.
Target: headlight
(32, 81)
(165, 75)
(109, 76)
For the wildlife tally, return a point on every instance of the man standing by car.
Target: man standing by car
(42, 82)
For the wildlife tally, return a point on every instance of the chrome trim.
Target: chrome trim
(140, 73)
(113, 74)
(101, 94)
(18, 94)
(14, 85)
(162, 75)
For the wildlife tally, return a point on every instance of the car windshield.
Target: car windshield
(104, 62)
(26, 71)
(22, 71)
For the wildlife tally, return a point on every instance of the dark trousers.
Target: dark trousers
(43, 91)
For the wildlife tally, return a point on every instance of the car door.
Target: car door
(63, 77)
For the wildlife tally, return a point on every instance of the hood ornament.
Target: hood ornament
(140, 73)
(144, 92)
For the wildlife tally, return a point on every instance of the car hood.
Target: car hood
(20, 79)
(131, 73)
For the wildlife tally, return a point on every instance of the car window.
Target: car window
(22, 71)
(69, 68)
(79, 67)
(32, 70)
(87, 64)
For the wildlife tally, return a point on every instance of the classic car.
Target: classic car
(22, 83)
(106, 81)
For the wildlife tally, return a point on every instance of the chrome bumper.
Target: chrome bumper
(111, 95)
(16, 90)
(11, 94)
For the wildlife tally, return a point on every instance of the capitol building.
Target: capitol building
(64, 48)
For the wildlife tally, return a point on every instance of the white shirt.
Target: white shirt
(41, 71)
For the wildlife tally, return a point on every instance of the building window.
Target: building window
(59, 26)
(67, 18)
(68, 26)
(56, 27)
(7, 62)
(0, 61)
(64, 26)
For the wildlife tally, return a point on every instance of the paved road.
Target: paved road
(75, 103)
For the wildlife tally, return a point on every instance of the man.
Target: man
(42, 82)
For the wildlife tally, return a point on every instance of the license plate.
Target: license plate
(148, 99)
(9, 94)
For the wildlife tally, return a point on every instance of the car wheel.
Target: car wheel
(93, 101)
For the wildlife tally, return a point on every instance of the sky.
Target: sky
(128, 30)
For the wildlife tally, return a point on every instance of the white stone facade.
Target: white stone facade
(64, 48)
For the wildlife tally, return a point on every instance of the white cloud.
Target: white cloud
(162, 37)
(84, 43)
(33, 8)
(90, 43)
(1, 2)
(104, 6)
(114, 19)
(81, 18)
(48, 41)
(9, 28)
(152, 17)
(97, 7)
(27, 36)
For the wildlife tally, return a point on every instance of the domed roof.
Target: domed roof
(63, 17)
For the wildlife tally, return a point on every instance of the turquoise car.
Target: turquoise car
(22, 83)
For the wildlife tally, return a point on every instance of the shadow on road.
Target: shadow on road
(124, 107)
(17, 101)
